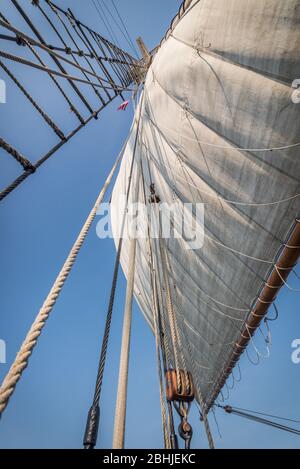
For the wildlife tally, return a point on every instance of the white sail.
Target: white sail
(220, 126)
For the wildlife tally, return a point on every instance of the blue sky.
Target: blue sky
(39, 222)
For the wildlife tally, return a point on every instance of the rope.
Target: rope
(267, 318)
(171, 441)
(250, 359)
(46, 118)
(71, 105)
(170, 311)
(297, 290)
(105, 21)
(51, 52)
(5, 192)
(21, 361)
(67, 49)
(254, 346)
(129, 42)
(78, 31)
(267, 415)
(53, 55)
(200, 397)
(18, 59)
(158, 334)
(125, 28)
(120, 412)
(209, 436)
(255, 418)
(90, 47)
(159, 364)
(16, 155)
(92, 425)
(177, 333)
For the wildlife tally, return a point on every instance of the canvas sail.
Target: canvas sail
(219, 126)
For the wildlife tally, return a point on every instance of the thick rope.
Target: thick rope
(195, 375)
(72, 78)
(71, 105)
(120, 411)
(166, 431)
(93, 419)
(17, 156)
(51, 52)
(21, 361)
(170, 311)
(46, 118)
(66, 48)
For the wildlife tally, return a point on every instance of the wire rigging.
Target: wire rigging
(105, 7)
(254, 416)
(92, 425)
(104, 20)
(125, 28)
(100, 65)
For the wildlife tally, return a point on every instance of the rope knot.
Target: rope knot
(20, 40)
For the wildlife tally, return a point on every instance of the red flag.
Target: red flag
(123, 106)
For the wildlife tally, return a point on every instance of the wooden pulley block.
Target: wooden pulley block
(179, 390)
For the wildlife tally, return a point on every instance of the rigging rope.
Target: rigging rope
(71, 105)
(52, 55)
(125, 28)
(67, 50)
(158, 347)
(22, 358)
(4, 193)
(195, 374)
(46, 118)
(83, 37)
(105, 21)
(121, 403)
(124, 74)
(129, 42)
(254, 417)
(175, 330)
(170, 441)
(92, 425)
(268, 415)
(16, 155)
(18, 59)
(47, 49)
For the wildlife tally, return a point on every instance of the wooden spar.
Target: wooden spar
(144, 51)
(120, 413)
(284, 265)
